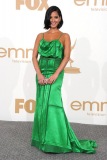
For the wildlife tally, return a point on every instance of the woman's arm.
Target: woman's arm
(67, 50)
(35, 61)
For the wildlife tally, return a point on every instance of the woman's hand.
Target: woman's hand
(52, 78)
(41, 79)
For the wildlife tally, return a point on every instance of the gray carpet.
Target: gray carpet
(15, 142)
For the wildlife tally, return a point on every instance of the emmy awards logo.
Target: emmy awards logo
(71, 69)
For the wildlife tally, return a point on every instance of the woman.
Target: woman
(51, 130)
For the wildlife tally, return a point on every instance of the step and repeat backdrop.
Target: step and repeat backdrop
(84, 90)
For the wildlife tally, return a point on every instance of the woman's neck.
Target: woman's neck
(53, 30)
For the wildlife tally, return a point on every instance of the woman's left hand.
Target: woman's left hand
(52, 78)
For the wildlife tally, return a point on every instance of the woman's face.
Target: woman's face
(54, 19)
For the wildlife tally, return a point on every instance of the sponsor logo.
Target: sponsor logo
(17, 54)
(92, 108)
(32, 4)
(28, 106)
(90, 2)
(96, 5)
(71, 69)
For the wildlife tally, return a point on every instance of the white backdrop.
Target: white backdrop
(84, 90)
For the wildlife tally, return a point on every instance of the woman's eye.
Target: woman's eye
(54, 17)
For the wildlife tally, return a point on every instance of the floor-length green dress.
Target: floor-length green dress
(51, 130)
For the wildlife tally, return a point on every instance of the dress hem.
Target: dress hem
(59, 149)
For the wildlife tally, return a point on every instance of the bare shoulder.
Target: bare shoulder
(39, 36)
(66, 36)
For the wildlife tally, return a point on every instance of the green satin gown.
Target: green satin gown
(51, 131)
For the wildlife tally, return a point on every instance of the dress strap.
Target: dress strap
(60, 36)
(43, 36)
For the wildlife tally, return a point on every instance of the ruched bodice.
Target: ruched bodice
(51, 54)
(52, 48)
